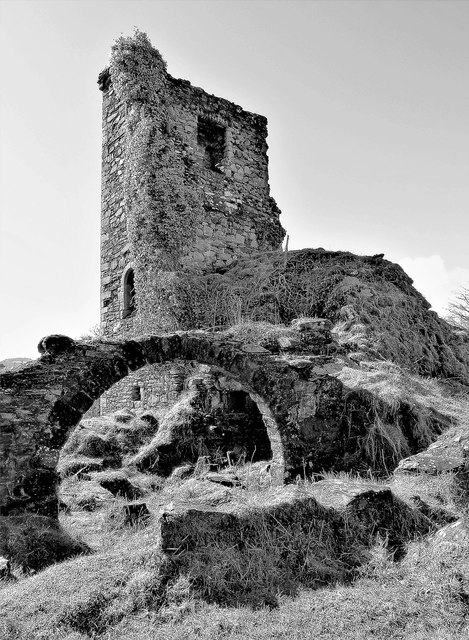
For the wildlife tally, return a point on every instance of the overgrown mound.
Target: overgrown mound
(253, 549)
(34, 542)
(374, 309)
(105, 442)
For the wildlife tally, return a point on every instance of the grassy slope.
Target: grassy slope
(118, 594)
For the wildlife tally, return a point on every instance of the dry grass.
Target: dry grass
(289, 582)
(128, 591)
(176, 438)
(262, 333)
(394, 384)
(33, 542)
(407, 412)
(106, 442)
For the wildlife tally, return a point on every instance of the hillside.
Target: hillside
(167, 536)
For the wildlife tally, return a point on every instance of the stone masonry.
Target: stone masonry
(313, 421)
(227, 149)
(151, 387)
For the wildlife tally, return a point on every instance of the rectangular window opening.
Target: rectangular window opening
(136, 393)
(211, 140)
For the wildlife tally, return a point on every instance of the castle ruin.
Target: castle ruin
(187, 222)
(210, 146)
(185, 192)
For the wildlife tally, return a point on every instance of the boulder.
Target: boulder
(55, 344)
(151, 420)
(225, 479)
(372, 510)
(124, 415)
(182, 473)
(307, 536)
(452, 537)
(440, 517)
(311, 324)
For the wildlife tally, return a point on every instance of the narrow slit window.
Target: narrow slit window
(211, 141)
(129, 294)
(136, 393)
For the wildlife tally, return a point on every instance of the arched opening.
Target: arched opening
(59, 388)
(129, 306)
(161, 417)
(235, 431)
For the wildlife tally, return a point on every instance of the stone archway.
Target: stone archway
(41, 402)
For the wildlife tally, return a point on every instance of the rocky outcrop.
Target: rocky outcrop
(34, 542)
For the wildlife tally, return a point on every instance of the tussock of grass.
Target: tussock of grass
(406, 412)
(177, 438)
(106, 442)
(83, 495)
(394, 384)
(34, 542)
(74, 465)
(115, 517)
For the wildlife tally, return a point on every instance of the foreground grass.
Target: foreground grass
(126, 589)
(394, 607)
(122, 592)
(426, 596)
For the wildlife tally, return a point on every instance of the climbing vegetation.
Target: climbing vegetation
(162, 205)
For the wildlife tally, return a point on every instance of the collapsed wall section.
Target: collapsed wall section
(375, 311)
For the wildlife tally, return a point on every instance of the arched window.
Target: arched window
(129, 294)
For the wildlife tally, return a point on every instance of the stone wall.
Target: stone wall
(313, 419)
(114, 242)
(226, 149)
(41, 402)
(240, 215)
(151, 387)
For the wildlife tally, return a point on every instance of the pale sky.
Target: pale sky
(367, 104)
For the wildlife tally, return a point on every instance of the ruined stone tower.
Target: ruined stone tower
(185, 185)
(185, 193)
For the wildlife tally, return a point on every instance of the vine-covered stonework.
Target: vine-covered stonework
(185, 186)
